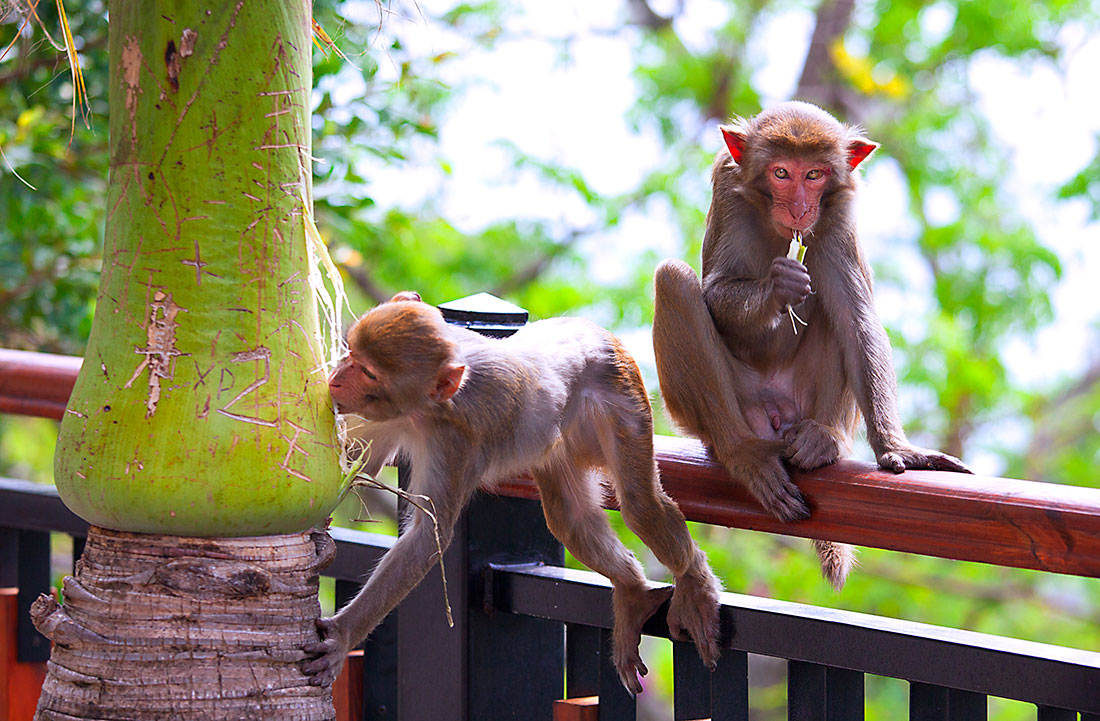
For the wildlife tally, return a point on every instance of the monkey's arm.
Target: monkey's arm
(746, 308)
(870, 368)
(399, 571)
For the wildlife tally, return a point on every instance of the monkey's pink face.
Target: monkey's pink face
(796, 187)
(356, 388)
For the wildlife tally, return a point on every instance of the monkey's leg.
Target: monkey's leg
(699, 383)
(574, 516)
(811, 445)
(656, 519)
(822, 438)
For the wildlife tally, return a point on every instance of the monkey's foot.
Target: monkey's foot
(810, 445)
(693, 613)
(915, 459)
(757, 463)
(330, 651)
(632, 609)
(782, 499)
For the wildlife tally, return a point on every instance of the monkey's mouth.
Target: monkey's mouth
(787, 227)
(804, 223)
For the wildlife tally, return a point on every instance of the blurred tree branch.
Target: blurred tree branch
(1061, 421)
(365, 282)
(645, 16)
(531, 272)
(820, 82)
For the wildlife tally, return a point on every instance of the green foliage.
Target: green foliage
(50, 235)
(902, 69)
(1086, 185)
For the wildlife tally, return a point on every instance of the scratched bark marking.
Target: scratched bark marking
(285, 465)
(172, 63)
(197, 261)
(253, 354)
(187, 42)
(223, 41)
(131, 70)
(173, 58)
(160, 352)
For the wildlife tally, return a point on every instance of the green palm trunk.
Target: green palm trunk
(201, 411)
(202, 407)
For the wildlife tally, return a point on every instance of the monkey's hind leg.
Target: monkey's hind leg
(573, 514)
(811, 445)
(699, 383)
(656, 519)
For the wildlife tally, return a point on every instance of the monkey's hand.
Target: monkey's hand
(330, 652)
(789, 281)
(919, 459)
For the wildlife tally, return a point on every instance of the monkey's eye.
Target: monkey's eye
(782, 173)
(815, 174)
(369, 374)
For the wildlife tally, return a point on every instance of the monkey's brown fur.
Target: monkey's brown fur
(561, 399)
(732, 371)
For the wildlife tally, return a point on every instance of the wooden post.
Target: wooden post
(20, 681)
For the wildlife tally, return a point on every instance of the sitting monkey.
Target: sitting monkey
(756, 390)
(561, 399)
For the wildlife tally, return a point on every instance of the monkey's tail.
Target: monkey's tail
(837, 560)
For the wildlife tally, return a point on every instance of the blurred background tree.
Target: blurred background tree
(552, 153)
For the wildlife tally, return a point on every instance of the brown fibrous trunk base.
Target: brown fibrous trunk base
(170, 627)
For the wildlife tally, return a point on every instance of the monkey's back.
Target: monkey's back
(546, 384)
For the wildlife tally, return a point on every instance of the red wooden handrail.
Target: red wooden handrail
(36, 384)
(1006, 522)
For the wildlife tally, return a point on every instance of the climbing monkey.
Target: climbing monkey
(561, 399)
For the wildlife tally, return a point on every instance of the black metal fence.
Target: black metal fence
(528, 632)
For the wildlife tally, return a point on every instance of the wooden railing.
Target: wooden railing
(507, 657)
(1023, 524)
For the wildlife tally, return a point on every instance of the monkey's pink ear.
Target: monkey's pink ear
(858, 150)
(735, 141)
(448, 383)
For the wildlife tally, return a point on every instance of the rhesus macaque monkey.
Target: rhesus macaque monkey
(733, 372)
(562, 399)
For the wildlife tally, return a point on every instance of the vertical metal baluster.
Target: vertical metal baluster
(33, 572)
(823, 693)
(938, 703)
(691, 683)
(1047, 713)
(616, 704)
(582, 660)
(729, 687)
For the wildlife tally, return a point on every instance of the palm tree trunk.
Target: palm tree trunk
(201, 409)
(170, 627)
